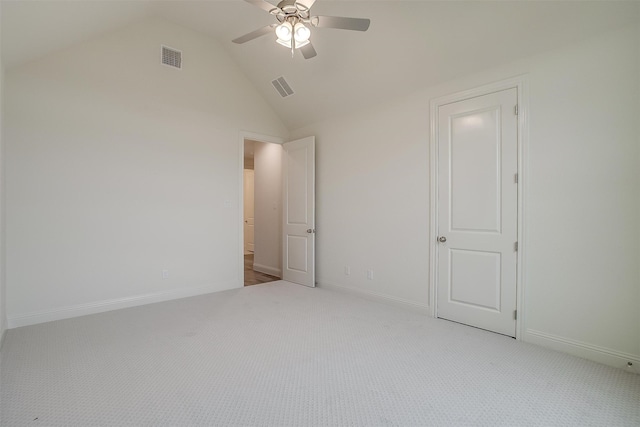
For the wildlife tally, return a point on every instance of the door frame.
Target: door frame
(521, 83)
(255, 137)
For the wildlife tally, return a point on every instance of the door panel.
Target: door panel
(297, 254)
(477, 211)
(299, 211)
(475, 166)
(481, 268)
(297, 185)
(249, 229)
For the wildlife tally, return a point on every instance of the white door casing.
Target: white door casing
(298, 171)
(477, 211)
(249, 219)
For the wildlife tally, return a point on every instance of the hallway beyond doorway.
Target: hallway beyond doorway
(252, 277)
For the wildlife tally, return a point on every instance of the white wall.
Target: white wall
(268, 208)
(583, 197)
(118, 167)
(3, 300)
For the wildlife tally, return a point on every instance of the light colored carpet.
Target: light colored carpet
(284, 355)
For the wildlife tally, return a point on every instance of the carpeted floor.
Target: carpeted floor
(285, 355)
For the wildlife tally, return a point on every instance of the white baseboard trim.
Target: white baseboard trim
(377, 297)
(68, 312)
(588, 351)
(268, 270)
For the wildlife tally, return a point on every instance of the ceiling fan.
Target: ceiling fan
(294, 21)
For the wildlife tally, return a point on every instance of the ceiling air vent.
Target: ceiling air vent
(171, 57)
(282, 87)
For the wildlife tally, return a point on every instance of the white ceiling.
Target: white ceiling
(409, 44)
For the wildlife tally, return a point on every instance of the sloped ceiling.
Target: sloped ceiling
(410, 44)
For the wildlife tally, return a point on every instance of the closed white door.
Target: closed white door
(477, 211)
(298, 170)
(249, 230)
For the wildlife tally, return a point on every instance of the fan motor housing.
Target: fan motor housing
(289, 8)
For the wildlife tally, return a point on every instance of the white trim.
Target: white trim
(375, 296)
(433, 206)
(68, 312)
(521, 83)
(596, 353)
(268, 270)
(254, 137)
(523, 191)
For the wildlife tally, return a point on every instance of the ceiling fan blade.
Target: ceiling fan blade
(255, 34)
(341, 23)
(306, 3)
(263, 5)
(308, 51)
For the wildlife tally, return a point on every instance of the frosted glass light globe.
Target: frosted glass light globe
(283, 31)
(301, 33)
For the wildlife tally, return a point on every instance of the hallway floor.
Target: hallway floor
(252, 277)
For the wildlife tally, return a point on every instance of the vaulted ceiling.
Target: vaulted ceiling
(410, 44)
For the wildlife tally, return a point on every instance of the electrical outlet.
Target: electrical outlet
(165, 274)
(370, 274)
(347, 270)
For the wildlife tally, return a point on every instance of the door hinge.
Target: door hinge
(515, 110)
(515, 246)
(515, 178)
(515, 314)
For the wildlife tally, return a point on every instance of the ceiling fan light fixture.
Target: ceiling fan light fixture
(301, 33)
(294, 23)
(287, 43)
(284, 31)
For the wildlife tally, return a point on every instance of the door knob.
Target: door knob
(310, 230)
(442, 239)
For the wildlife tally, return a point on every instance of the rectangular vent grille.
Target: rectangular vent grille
(282, 87)
(171, 57)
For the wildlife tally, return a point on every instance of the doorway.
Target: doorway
(262, 212)
(476, 212)
(285, 198)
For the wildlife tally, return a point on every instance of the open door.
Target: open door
(298, 171)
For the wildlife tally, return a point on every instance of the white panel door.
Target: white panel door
(478, 211)
(298, 170)
(249, 220)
